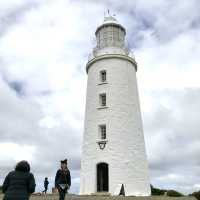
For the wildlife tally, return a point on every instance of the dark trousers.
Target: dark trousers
(45, 190)
(62, 194)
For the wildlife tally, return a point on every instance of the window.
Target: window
(102, 130)
(103, 76)
(102, 99)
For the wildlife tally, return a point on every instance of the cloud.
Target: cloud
(12, 13)
(22, 137)
(172, 138)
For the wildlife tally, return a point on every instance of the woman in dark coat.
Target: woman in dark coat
(63, 180)
(20, 183)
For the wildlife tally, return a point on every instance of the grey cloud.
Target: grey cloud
(20, 119)
(22, 87)
(14, 15)
(165, 19)
(17, 86)
(172, 136)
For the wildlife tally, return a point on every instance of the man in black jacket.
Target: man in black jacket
(63, 180)
(20, 183)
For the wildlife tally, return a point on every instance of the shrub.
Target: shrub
(174, 193)
(196, 195)
(157, 191)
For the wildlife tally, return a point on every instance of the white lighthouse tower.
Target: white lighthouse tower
(113, 152)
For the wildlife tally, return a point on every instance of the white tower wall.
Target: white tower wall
(125, 148)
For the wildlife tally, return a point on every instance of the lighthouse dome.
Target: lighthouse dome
(110, 19)
(110, 34)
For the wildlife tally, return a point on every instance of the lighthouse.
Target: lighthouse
(113, 151)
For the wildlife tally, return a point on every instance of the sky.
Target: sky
(44, 47)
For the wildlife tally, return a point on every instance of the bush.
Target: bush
(174, 193)
(170, 193)
(0, 189)
(196, 195)
(157, 191)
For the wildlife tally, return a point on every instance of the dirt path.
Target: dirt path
(70, 197)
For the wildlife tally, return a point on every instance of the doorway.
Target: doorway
(102, 177)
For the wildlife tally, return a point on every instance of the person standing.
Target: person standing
(63, 179)
(46, 183)
(20, 183)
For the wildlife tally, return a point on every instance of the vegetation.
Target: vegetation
(157, 191)
(170, 193)
(0, 189)
(173, 193)
(196, 195)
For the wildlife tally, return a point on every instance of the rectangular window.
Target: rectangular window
(103, 76)
(102, 129)
(102, 99)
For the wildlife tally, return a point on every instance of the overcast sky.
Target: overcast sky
(44, 47)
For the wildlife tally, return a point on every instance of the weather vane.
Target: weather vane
(108, 14)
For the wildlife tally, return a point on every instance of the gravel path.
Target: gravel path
(74, 197)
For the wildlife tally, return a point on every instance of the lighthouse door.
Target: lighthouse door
(102, 177)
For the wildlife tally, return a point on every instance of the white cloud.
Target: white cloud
(15, 152)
